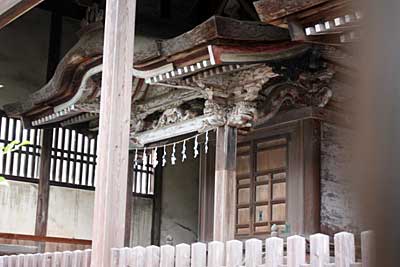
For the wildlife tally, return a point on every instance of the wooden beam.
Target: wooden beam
(269, 10)
(12, 9)
(44, 184)
(48, 239)
(115, 110)
(225, 184)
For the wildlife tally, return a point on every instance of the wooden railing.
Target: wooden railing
(217, 254)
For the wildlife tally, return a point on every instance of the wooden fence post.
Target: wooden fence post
(296, 251)
(87, 258)
(344, 249)
(182, 255)
(234, 253)
(167, 256)
(152, 256)
(253, 254)
(138, 257)
(199, 255)
(319, 250)
(216, 254)
(66, 259)
(56, 259)
(274, 252)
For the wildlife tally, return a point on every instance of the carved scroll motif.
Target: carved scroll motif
(310, 90)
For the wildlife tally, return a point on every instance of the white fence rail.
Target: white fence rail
(217, 254)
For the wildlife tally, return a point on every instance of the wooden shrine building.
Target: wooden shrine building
(241, 120)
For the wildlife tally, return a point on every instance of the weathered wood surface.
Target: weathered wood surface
(221, 30)
(269, 10)
(225, 184)
(12, 9)
(115, 108)
(44, 183)
(86, 55)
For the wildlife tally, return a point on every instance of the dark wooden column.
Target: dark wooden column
(225, 184)
(44, 184)
(129, 200)
(113, 143)
(157, 204)
(312, 175)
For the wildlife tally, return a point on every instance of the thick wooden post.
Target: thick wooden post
(225, 184)
(157, 203)
(44, 184)
(115, 109)
(129, 200)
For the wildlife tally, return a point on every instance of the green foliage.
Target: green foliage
(11, 147)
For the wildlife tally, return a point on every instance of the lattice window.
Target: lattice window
(143, 178)
(261, 186)
(73, 158)
(23, 163)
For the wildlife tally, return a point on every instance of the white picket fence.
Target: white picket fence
(217, 254)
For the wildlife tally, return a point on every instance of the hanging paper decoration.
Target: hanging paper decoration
(206, 143)
(173, 157)
(184, 151)
(136, 158)
(196, 147)
(145, 160)
(150, 154)
(155, 158)
(164, 157)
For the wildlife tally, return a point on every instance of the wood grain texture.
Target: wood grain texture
(12, 9)
(42, 209)
(218, 30)
(115, 106)
(225, 184)
(269, 10)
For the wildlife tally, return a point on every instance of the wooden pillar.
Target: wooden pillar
(129, 200)
(157, 204)
(312, 175)
(115, 110)
(44, 184)
(225, 184)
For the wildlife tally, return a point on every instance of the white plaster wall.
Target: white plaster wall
(18, 208)
(70, 213)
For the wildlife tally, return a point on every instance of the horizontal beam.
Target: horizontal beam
(170, 131)
(49, 239)
(12, 9)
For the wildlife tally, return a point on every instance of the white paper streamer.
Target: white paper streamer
(164, 157)
(136, 158)
(196, 147)
(155, 158)
(145, 159)
(184, 151)
(206, 143)
(173, 157)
